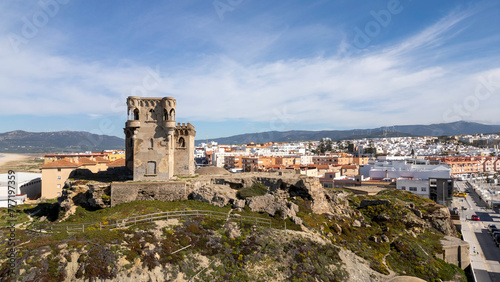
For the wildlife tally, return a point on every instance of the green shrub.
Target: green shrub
(257, 189)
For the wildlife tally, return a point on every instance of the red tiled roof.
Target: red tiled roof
(86, 161)
(349, 167)
(76, 155)
(59, 164)
(117, 163)
(101, 160)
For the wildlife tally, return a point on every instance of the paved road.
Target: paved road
(486, 264)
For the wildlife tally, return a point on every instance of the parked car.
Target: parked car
(495, 233)
(475, 217)
(492, 226)
(496, 238)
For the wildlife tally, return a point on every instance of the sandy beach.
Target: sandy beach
(6, 158)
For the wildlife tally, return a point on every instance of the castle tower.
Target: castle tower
(156, 148)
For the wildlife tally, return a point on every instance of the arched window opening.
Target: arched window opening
(165, 115)
(136, 114)
(151, 143)
(182, 142)
(172, 114)
(151, 114)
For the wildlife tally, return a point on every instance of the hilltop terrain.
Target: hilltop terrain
(330, 235)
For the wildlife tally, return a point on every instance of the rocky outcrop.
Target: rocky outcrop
(94, 195)
(217, 195)
(269, 204)
(440, 219)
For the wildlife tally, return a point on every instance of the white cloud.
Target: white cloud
(379, 87)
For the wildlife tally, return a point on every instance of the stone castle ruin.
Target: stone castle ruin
(156, 148)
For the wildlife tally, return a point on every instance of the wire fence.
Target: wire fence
(133, 220)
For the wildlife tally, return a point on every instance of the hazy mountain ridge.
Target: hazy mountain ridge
(76, 141)
(61, 141)
(453, 128)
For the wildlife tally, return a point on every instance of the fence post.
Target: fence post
(99, 226)
(83, 227)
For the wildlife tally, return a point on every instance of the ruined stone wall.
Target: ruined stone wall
(149, 191)
(455, 251)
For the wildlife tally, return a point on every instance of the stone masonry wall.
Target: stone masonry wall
(150, 191)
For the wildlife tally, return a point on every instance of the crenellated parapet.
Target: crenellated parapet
(151, 109)
(183, 129)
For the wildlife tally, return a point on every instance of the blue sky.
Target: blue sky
(240, 66)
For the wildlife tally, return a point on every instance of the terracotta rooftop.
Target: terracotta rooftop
(101, 160)
(116, 163)
(76, 155)
(86, 161)
(349, 167)
(59, 164)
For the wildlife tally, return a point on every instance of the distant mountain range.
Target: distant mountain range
(62, 141)
(453, 128)
(77, 141)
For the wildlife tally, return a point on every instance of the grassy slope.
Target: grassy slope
(403, 254)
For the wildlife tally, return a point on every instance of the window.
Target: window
(151, 168)
(182, 142)
(423, 189)
(58, 186)
(136, 114)
(403, 188)
(59, 178)
(151, 114)
(413, 189)
(151, 143)
(59, 169)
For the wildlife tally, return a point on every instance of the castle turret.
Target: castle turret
(153, 139)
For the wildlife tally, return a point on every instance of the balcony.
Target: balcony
(168, 124)
(133, 124)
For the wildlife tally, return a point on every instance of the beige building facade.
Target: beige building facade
(54, 175)
(156, 148)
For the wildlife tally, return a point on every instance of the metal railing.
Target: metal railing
(133, 220)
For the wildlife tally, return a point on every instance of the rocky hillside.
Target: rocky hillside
(62, 141)
(452, 128)
(329, 236)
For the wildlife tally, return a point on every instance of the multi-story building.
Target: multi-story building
(461, 165)
(234, 161)
(257, 163)
(342, 159)
(54, 176)
(410, 168)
